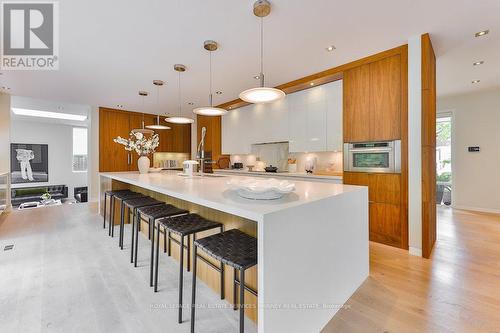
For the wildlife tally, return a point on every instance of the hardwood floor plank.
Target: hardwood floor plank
(457, 290)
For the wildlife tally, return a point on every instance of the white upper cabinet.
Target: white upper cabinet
(311, 120)
(235, 133)
(334, 94)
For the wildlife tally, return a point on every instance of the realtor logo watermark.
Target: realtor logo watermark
(30, 35)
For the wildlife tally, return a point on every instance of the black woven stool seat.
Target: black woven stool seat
(113, 192)
(232, 247)
(188, 224)
(128, 195)
(156, 212)
(141, 202)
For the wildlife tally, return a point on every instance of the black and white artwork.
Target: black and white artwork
(29, 163)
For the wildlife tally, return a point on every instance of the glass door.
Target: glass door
(443, 158)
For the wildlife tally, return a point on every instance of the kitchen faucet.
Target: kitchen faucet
(200, 152)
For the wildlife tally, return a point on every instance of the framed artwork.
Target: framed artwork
(29, 163)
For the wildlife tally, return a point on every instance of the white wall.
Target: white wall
(93, 175)
(476, 176)
(415, 145)
(4, 133)
(57, 133)
(60, 141)
(5, 147)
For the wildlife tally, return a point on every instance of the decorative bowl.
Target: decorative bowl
(261, 189)
(155, 170)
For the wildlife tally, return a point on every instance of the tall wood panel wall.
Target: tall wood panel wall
(429, 229)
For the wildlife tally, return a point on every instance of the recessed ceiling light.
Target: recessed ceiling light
(330, 48)
(482, 33)
(48, 114)
(476, 81)
(477, 63)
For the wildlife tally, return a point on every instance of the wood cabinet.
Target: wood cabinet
(175, 140)
(213, 141)
(385, 217)
(357, 104)
(113, 123)
(372, 101)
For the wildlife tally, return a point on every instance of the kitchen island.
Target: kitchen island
(312, 244)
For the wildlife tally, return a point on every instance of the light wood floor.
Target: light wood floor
(457, 290)
(66, 275)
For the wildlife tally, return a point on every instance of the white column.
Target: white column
(415, 145)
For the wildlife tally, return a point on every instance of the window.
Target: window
(80, 156)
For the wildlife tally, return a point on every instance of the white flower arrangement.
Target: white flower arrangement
(138, 142)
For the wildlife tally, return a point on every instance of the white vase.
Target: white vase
(143, 163)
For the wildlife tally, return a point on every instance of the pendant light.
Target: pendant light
(158, 126)
(210, 110)
(179, 119)
(262, 94)
(143, 130)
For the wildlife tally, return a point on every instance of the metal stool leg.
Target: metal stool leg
(133, 235)
(193, 291)
(149, 227)
(157, 257)
(235, 290)
(104, 220)
(222, 289)
(138, 222)
(152, 228)
(188, 253)
(122, 224)
(169, 244)
(112, 219)
(181, 275)
(242, 300)
(164, 240)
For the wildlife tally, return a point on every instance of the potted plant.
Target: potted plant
(142, 146)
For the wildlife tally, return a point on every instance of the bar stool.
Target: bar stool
(233, 248)
(110, 193)
(185, 225)
(152, 214)
(122, 196)
(132, 205)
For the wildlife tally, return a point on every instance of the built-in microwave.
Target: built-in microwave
(381, 156)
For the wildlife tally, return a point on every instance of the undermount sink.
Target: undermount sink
(209, 175)
(198, 175)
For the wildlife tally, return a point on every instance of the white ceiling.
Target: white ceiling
(111, 49)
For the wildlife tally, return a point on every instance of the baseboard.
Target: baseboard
(415, 251)
(477, 209)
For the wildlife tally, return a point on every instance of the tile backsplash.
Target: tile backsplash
(162, 160)
(324, 161)
(277, 154)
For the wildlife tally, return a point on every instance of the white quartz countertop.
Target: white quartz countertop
(277, 174)
(214, 192)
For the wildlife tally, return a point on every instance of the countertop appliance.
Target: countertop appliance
(377, 157)
(238, 165)
(271, 169)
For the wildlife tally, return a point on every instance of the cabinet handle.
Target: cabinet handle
(128, 158)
